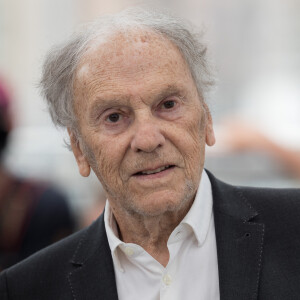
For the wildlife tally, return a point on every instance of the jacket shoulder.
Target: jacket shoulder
(275, 203)
(267, 203)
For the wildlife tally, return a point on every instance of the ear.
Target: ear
(82, 162)
(210, 134)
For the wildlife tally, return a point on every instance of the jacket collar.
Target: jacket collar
(239, 242)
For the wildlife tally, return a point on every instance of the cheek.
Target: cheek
(193, 145)
(192, 133)
(107, 164)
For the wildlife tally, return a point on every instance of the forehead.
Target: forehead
(135, 43)
(139, 56)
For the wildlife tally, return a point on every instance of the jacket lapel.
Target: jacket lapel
(239, 242)
(93, 272)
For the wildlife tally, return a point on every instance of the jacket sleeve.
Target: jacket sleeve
(3, 286)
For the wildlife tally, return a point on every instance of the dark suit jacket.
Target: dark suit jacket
(258, 245)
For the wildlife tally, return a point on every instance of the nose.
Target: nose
(147, 136)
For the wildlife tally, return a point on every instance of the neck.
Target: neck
(150, 232)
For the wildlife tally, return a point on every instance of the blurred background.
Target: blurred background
(255, 46)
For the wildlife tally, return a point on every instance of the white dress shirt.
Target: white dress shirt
(192, 270)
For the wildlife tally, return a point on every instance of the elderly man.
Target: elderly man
(130, 90)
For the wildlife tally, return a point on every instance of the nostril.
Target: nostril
(146, 138)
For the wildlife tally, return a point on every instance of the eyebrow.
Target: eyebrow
(171, 90)
(101, 104)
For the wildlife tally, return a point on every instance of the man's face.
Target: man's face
(143, 127)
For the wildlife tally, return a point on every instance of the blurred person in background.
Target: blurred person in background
(33, 214)
(259, 138)
(131, 90)
(237, 135)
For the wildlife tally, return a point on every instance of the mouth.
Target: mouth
(154, 171)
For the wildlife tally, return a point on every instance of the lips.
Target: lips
(153, 171)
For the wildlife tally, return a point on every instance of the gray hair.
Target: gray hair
(60, 66)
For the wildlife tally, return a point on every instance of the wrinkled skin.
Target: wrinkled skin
(138, 109)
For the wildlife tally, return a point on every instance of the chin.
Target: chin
(158, 204)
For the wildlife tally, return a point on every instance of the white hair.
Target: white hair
(61, 63)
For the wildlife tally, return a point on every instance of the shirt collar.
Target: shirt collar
(199, 215)
(112, 234)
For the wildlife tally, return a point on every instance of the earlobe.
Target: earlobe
(82, 162)
(210, 134)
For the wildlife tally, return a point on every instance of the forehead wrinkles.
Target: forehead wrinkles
(129, 52)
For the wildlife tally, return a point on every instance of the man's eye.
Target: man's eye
(113, 118)
(169, 104)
